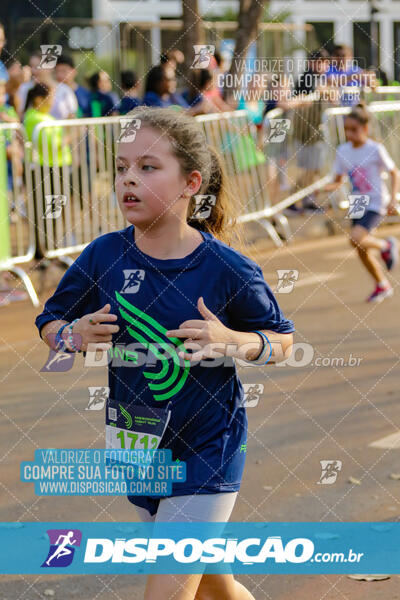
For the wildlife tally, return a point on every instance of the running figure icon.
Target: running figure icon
(63, 543)
(62, 549)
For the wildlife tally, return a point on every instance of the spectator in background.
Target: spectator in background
(101, 102)
(8, 114)
(318, 64)
(65, 72)
(342, 63)
(14, 152)
(252, 102)
(219, 66)
(380, 75)
(53, 151)
(198, 94)
(26, 73)
(172, 58)
(175, 59)
(105, 86)
(311, 153)
(130, 86)
(34, 61)
(215, 67)
(199, 80)
(344, 72)
(160, 88)
(37, 107)
(15, 80)
(3, 70)
(64, 102)
(278, 94)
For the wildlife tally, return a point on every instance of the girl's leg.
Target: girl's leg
(217, 508)
(363, 238)
(222, 587)
(168, 587)
(172, 587)
(144, 514)
(197, 508)
(365, 243)
(202, 507)
(372, 265)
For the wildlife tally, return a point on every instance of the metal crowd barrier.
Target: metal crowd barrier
(296, 161)
(237, 141)
(73, 171)
(383, 93)
(64, 198)
(17, 244)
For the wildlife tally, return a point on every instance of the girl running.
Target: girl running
(363, 160)
(170, 281)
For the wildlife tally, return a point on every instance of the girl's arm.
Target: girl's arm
(334, 185)
(90, 329)
(392, 208)
(249, 345)
(209, 338)
(8, 118)
(48, 332)
(77, 299)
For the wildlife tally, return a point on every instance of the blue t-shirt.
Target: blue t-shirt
(347, 98)
(196, 100)
(126, 104)
(83, 98)
(4, 76)
(100, 104)
(208, 425)
(153, 99)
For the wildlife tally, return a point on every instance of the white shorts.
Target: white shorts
(196, 507)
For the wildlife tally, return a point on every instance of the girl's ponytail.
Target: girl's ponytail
(222, 221)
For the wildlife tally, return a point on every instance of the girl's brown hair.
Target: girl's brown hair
(190, 147)
(360, 114)
(39, 90)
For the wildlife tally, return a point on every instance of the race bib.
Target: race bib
(135, 428)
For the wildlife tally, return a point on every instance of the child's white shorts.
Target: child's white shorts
(196, 507)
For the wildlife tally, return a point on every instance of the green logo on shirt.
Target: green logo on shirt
(147, 331)
(128, 417)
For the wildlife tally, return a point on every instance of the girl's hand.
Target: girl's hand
(202, 333)
(92, 329)
(393, 209)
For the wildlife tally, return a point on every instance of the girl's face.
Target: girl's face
(149, 183)
(356, 133)
(43, 104)
(168, 82)
(104, 82)
(34, 63)
(15, 71)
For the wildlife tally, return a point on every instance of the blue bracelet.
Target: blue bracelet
(59, 342)
(263, 349)
(70, 337)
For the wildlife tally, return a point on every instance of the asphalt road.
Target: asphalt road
(339, 396)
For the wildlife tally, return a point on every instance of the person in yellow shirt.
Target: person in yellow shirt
(37, 110)
(52, 154)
